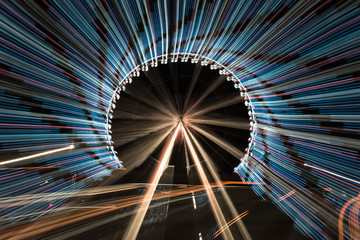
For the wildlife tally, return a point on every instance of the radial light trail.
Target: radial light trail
(72, 146)
(193, 107)
(205, 108)
(233, 123)
(221, 142)
(164, 107)
(142, 112)
(209, 163)
(29, 168)
(138, 151)
(135, 224)
(194, 79)
(126, 133)
(220, 219)
(162, 92)
(332, 173)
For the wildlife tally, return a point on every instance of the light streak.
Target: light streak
(214, 106)
(332, 173)
(194, 79)
(138, 151)
(219, 217)
(54, 222)
(221, 142)
(231, 123)
(29, 168)
(40, 197)
(207, 92)
(354, 225)
(194, 201)
(135, 224)
(228, 224)
(341, 216)
(123, 134)
(37, 155)
(287, 195)
(187, 161)
(245, 234)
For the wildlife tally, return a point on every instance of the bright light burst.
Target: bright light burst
(138, 133)
(295, 63)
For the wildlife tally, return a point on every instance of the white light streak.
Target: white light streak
(135, 224)
(194, 201)
(245, 234)
(72, 146)
(220, 219)
(332, 173)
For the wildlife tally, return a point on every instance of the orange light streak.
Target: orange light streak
(286, 195)
(134, 227)
(31, 230)
(220, 219)
(40, 197)
(231, 222)
(341, 216)
(354, 222)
